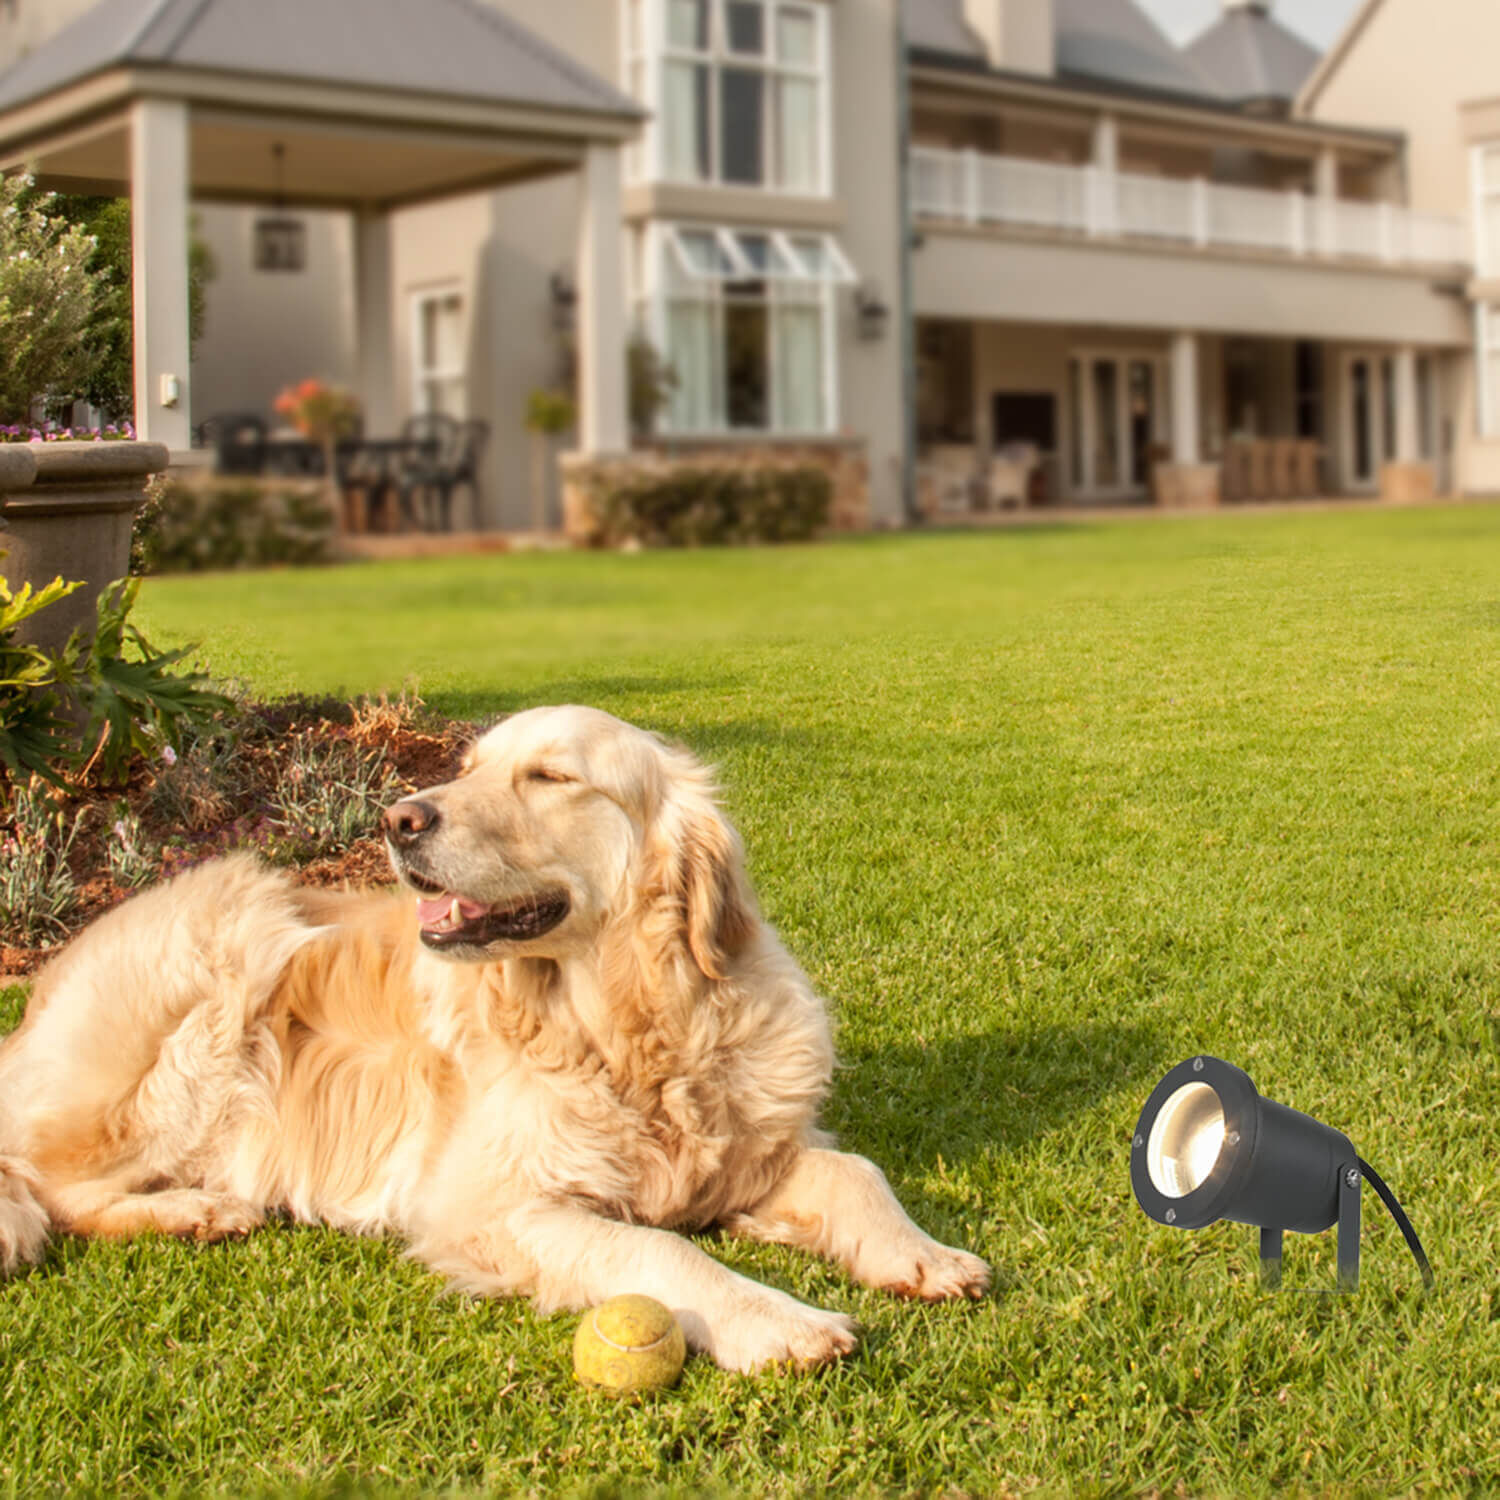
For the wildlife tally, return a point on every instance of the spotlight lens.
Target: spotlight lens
(1185, 1140)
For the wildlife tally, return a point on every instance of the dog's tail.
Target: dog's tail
(23, 1221)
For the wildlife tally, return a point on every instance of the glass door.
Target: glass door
(1118, 416)
(1369, 418)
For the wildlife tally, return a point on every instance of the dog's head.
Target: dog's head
(563, 822)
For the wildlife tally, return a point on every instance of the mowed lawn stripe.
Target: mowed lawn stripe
(1042, 811)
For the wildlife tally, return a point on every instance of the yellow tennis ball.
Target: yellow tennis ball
(628, 1344)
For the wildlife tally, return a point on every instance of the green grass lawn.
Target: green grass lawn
(1042, 812)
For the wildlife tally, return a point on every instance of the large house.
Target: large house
(962, 251)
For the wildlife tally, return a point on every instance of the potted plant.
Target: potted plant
(323, 414)
(549, 414)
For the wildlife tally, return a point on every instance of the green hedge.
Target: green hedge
(708, 505)
(215, 524)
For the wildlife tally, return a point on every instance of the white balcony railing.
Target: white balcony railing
(971, 187)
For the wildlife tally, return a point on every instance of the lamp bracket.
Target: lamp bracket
(1348, 1254)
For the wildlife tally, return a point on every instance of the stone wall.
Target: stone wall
(845, 459)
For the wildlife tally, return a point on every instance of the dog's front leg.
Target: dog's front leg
(567, 1256)
(841, 1206)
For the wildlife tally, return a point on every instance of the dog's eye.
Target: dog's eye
(546, 773)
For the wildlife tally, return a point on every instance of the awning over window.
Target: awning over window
(708, 254)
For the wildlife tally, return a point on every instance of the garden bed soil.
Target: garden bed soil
(419, 750)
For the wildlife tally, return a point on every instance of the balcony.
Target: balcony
(971, 188)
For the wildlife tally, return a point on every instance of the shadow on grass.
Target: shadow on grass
(961, 1099)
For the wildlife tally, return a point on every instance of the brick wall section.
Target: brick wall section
(845, 459)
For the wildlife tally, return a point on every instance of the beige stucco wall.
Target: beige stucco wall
(24, 24)
(866, 130)
(959, 274)
(1408, 68)
(263, 330)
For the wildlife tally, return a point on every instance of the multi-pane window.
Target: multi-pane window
(1487, 319)
(738, 90)
(1484, 168)
(439, 365)
(746, 320)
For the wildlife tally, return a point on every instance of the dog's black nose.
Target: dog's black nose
(406, 822)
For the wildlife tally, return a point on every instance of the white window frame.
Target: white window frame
(1486, 255)
(663, 240)
(421, 299)
(1487, 368)
(655, 51)
(1086, 486)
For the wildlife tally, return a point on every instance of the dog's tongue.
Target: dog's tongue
(432, 911)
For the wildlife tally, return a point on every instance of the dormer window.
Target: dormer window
(738, 91)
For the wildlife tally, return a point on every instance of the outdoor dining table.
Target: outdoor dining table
(365, 468)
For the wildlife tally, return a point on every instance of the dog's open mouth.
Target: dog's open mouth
(447, 920)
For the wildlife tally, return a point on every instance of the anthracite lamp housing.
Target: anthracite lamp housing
(1208, 1146)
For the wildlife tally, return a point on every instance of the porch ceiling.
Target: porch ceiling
(325, 163)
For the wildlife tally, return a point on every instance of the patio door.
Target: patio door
(1117, 413)
(1369, 418)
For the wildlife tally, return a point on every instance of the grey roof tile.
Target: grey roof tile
(1250, 56)
(458, 48)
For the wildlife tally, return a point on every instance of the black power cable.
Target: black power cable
(1399, 1215)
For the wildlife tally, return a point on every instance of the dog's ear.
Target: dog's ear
(700, 873)
(710, 884)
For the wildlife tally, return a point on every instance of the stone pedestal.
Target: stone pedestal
(1407, 483)
(1185, 486)
(72, 520)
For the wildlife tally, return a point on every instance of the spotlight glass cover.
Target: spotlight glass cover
(1186, 1138)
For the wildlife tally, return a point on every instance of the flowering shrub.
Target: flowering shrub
(319, 411)
(50, 432)
(48, 300)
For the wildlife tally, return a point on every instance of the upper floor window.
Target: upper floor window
(1484, 168)
(738, 91)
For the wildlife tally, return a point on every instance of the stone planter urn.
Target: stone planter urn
(66, 509)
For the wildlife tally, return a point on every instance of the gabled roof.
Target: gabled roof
(1112, 42)
(1252, 57)
(455, 48)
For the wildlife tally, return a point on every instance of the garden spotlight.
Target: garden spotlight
(1207, 1147)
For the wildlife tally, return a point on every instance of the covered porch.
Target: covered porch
(363, 110)
(1013, 415)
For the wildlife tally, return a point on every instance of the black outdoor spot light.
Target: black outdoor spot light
(1207, 1147)
(563, 294)
(870, 311)
(280, 238)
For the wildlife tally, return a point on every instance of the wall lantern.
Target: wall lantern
(564, 297)
(280, 238)
(1209, 1147)
(870, 311)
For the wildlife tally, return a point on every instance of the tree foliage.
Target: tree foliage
(49, 300)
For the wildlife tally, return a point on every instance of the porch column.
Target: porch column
(1186, 445)
(601, 306)
(1325, 196)
(376, 356)
(1408, 442)
(1103, 212)
(159, 247)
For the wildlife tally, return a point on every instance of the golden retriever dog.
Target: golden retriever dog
(579, 1037)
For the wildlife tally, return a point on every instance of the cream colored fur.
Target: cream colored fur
(534, 1114)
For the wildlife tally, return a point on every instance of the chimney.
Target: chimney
(1017, 34)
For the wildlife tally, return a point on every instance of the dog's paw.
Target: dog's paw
(206, 1217)
(936, 1273)
(786, 1332)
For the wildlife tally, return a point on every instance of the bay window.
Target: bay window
(738, 91)
(746, 318)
